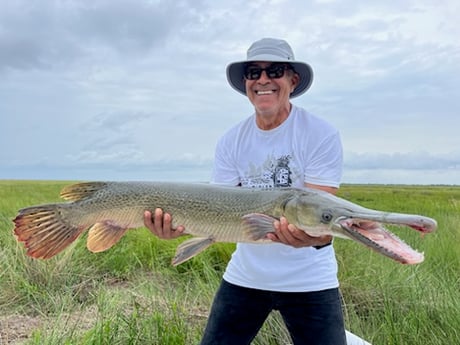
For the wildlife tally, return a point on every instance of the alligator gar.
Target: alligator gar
(210, 213)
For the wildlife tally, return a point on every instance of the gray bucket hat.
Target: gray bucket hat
(270, 49)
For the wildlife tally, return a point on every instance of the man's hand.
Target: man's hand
(161, 224)
(289, 234)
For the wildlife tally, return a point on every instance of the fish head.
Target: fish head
(312, 215)
(319, 213)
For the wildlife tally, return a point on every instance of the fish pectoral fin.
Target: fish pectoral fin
(103, 236)
(188, 249)
(258, 225)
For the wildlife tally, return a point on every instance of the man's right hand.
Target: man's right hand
(161, 224)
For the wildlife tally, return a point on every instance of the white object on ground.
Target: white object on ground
(353, 339)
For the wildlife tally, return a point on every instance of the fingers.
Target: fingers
(288, 234)
(161, 224)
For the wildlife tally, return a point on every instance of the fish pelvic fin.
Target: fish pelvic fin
(256, 226)
(188, 249)
(82, 190)
(44, 230)
(104, 235)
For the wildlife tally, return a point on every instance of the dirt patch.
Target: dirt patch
(15, 329)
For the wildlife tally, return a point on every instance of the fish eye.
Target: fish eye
(326, 217)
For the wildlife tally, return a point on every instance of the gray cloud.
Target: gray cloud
(117, 122)
(38, 35)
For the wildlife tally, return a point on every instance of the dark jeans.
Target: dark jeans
(237, 314)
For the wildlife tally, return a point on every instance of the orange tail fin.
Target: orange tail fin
(44, 230)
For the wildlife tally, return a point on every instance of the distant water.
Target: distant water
(202, 171)
(165, 172)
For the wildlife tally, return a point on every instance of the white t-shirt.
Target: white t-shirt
(304, 148)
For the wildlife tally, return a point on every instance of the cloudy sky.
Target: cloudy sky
(136, 89)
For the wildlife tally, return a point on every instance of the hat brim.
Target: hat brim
(236, 80)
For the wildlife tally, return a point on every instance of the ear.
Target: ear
(295, 80)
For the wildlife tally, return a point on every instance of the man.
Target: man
(280, 145)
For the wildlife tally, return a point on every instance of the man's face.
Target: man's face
(270, 95)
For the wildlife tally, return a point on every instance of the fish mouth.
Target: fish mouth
(374, 235)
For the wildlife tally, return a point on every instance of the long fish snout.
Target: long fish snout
(321, 213)
(370, 231)
(420, 223)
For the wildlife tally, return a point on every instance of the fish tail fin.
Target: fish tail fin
(188, 249)
(44, 230)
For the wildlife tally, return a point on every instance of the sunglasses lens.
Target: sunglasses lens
(273, 71)
(253, 73)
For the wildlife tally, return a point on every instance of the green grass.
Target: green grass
(132, 295)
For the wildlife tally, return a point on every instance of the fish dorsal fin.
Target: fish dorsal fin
(258, 225)
(103, 236)
(82, 190)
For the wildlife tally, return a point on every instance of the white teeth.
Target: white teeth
(265, 92)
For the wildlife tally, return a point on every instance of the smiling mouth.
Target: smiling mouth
(265, 92)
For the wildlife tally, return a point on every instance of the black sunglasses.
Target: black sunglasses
(274, 71)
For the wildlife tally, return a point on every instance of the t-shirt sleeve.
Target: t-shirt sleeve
(325, 164)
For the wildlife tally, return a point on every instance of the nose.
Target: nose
(263, 77)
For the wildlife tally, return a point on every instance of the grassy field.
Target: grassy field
(132, 295)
